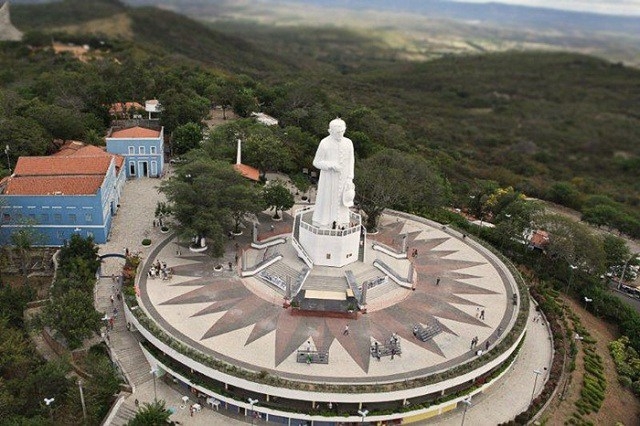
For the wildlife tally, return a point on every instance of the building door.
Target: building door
(132, 169)
(154, 168)
(143, 168)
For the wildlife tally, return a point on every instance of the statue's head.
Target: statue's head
(337, 126)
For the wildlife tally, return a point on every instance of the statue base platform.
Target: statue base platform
(329, 247)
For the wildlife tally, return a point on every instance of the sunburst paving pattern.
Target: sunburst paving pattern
(458, 289)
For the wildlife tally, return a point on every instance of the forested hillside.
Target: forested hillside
(559, 126)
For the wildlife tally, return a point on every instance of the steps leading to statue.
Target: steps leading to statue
(325, 283)
(283, 271)
(381, 289)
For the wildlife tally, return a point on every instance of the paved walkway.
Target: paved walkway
(134, 222)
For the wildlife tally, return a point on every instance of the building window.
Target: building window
(88, 217)
(32, 217)
(44, 217)
(132, 150)
(328, 255)
(132, 168)
(57, 218)
(73, 218)
(141, 150)
(19, 217)
(152, 150)
(6, 217)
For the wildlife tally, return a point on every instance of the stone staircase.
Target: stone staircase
(126, 412)
(381, 290)
(325, 283)
(284, 271)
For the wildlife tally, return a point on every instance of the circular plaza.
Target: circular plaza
(442, 319)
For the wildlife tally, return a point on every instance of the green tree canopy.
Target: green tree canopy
(73, 316)
(151, 414)
(186, 138)
(204, 195)
(394, 179)
(277, 197)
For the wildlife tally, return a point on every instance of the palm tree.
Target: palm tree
(151, 414)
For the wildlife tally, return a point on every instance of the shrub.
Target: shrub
(146, 242)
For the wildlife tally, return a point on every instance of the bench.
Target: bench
(386, 350)
(312, 357)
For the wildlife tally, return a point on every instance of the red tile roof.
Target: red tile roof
(539, 238)
(69, 148)
(135, 132)
(79, 149)
(248, 171)
(53, 185)
(62, 166)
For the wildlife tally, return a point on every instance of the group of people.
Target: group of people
(160, 269)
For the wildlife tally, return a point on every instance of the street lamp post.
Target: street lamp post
(49, 401)
(363, 413)
(153, 372)
(587, 300)
(535, 382)
(6, 151)
(467, 404)
(624, 269)
(252, 402)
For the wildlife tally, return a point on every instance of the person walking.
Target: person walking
(346, 330)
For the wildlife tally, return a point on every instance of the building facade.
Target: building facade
(55, 197)
(142, 149)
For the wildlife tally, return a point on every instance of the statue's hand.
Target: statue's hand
(334, 167)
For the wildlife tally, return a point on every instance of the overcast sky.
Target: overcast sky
(617, 7)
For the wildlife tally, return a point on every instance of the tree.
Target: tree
(603, 215)
(572, 242)
(278, 197)
(203, 196)
(24, 239)
(79, 258)
(393, 179)
(185, 138)
(151, 414)
(73, 316)
(245, 199)
(616, 251)
(515, 219)
(266, 152)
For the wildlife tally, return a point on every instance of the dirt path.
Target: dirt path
(620, 405)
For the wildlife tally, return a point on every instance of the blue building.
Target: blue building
(76, 191)
(142, 148)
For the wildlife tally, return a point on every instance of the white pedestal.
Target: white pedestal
(326, 249)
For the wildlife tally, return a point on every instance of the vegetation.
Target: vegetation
(627, 363)
(70, 311)
(208, 198)
(277, 197)
(377, 184)
(151, 414)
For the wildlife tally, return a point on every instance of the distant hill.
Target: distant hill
(497, 14)
(159, 30)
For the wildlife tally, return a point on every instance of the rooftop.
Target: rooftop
(135, 132)
(63, 165)
(53, 185)
(248, 171)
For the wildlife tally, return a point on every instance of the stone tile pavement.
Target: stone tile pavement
(134, 222)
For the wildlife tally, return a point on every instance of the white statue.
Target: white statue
(336, 191)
